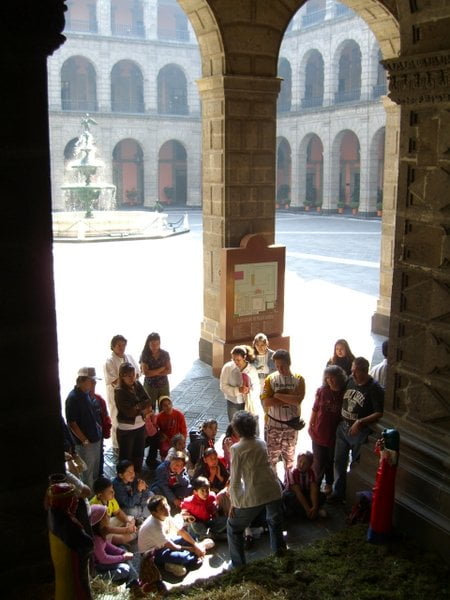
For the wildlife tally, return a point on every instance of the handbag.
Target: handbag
(295, 423)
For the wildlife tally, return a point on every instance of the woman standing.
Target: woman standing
(254, 488)
(325, 417)
(342, 356)
(239, 382)
(264, 362)
(155, 366)
(133, 406)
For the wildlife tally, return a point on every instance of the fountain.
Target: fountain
(91, 206)
(88, 191)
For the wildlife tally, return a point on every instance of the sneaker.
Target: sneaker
(207, 544)
(323, 513)
(177, 570)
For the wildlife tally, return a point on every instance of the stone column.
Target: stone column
(239, 125)
(381, 318)
(104, 17)
(418, 388)
(30, 426)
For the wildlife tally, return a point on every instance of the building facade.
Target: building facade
(133, 65)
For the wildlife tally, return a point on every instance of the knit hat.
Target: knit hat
(97, 513)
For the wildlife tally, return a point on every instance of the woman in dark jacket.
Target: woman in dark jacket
(133, 406)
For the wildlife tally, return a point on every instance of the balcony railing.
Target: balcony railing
(379, 90)
(313, 18)
(127, 107)
(311, 101)
(348, 96)
(173, 35)
(80, 25)
(122, 30)
(81, 105)
(342, 11)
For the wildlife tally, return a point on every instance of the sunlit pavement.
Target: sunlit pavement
(135, 287)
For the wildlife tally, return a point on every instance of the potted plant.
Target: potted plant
(319, 206)
(132, 196)
(340, 207)
(169, 193)
(307, 203)
(283, 195)
(379, 203)
(354, 205)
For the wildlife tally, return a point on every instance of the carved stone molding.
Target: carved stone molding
(422, 80)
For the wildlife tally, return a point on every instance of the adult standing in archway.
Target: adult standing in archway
(111, 372)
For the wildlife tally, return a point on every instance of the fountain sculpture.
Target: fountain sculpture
(86, 192)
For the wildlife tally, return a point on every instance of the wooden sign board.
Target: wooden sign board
(251, 297)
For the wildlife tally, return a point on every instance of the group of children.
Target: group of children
(190, 483)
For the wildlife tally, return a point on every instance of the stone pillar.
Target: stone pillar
(30, 427)
(381, 318)
(239, 125)
(418, 388)
(104, 17)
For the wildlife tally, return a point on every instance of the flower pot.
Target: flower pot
(354, 211)
(340, 210)
(318, 208)
(379, 213)
(286, 206)
(306, 207)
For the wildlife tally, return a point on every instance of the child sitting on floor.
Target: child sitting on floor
(213, 469)
(121, 528)
(200, 511)
(174, 548)
(301, 495)
(131, 493)
(169, 421)
(108, 558)
(178, 444)
(172, 481)
(200, 440)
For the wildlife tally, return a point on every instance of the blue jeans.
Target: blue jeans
(344, 444)
(91, 456)
(213, 526)
(232, 408)
(178, 557)
(242, 519)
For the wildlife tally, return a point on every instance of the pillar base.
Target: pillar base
(421, 500)
(380, 324)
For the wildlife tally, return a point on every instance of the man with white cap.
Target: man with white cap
(81, 418)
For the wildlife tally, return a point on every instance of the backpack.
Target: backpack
(360, 512)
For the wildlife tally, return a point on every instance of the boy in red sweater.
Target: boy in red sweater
(200, 511)
(169, 421)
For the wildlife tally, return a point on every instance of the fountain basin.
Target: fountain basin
(108, 225)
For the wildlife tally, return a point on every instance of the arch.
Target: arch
(127, 88)
(284, 172)
(346, 167)
(172, 173)
(349, 72)
(172, 91)
(78, 85)
(172, 22)
(127, 18)
(314, 78)
(69, 150)
(285, 96)
(128, 173)
(81, 16)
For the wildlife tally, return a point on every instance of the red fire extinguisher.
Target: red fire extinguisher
(387, 447)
